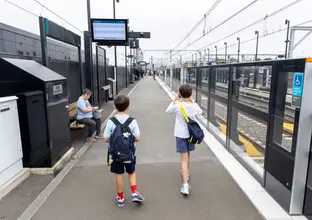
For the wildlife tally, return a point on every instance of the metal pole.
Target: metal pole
(196, 59)
(225, 43)
(208, 55)
(216, 53)
(126, 66)
(238, 49)
(256, 57)
(43, 40)
(131, 66)
(192, 59)
(115, 50)
(170, 55)
(89, 15)
(98, 75)
(199, 56)
(88, 51)
(287, 22)
(205, 63)
(292, 43)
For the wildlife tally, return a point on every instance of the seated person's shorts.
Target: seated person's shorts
(120, 168)
(184, 146)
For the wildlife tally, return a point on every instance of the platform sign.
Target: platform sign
(297, 90)
(134, 44)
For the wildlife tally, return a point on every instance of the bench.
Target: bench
(72, 112)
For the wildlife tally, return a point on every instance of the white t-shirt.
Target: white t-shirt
(191, 109)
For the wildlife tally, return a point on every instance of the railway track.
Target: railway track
(289, 112)
(251, 129)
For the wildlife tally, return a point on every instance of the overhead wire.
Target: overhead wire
(24, 9)
(254, 23)
(262, 36)
(222, 23)
(42, 5)
(198, 23)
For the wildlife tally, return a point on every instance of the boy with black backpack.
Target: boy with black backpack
(187, 131)
(121, 133)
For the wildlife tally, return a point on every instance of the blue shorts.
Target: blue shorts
(119, 168)
(184, 146)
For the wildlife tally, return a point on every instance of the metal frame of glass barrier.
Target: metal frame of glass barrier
(237, 106)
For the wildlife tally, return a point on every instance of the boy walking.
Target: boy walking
(183, 104)
(121, 133)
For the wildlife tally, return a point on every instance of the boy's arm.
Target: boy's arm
(173, 108)
(108, 131)
(199, 111)
(136, 131)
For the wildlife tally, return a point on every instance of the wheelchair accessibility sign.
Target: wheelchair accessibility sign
(297, 89)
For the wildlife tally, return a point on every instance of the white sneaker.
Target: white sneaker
(185, 190)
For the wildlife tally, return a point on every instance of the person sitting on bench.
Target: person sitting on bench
(85, 115)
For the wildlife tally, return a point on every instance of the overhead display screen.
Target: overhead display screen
(113, 31)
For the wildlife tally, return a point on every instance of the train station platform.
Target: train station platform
(221, 188)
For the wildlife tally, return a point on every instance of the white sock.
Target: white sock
(185, 184)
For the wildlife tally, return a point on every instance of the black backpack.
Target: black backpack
(121, 146)
(196, 133)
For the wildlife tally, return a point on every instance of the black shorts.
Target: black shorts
(119, 168)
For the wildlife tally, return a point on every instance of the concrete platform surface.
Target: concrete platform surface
(87, 191)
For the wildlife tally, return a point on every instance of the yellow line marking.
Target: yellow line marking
(251, 150)
(289, 127)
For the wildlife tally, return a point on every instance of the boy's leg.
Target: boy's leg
(119, 184)
(189, 160)
(130, 169)
(182, 148)
(132, 179)
(185, 165)
(118, 169)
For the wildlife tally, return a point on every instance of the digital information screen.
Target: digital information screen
(109, 30)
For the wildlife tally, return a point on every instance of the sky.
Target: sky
(170, 20)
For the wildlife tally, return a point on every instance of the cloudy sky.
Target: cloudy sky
(170, 20)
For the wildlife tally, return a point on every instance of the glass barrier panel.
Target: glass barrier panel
(254, 84)
(284, 113)
(248, 139)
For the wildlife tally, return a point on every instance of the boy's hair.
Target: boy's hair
(185, 91)
(121, 102)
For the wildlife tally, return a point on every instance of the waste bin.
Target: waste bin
(34, 128)
(29, 78)
(112, 90)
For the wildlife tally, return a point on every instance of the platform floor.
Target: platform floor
(87, 190)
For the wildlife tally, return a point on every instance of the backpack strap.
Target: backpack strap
(115, 121)
(184, 113)
(128, 121)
